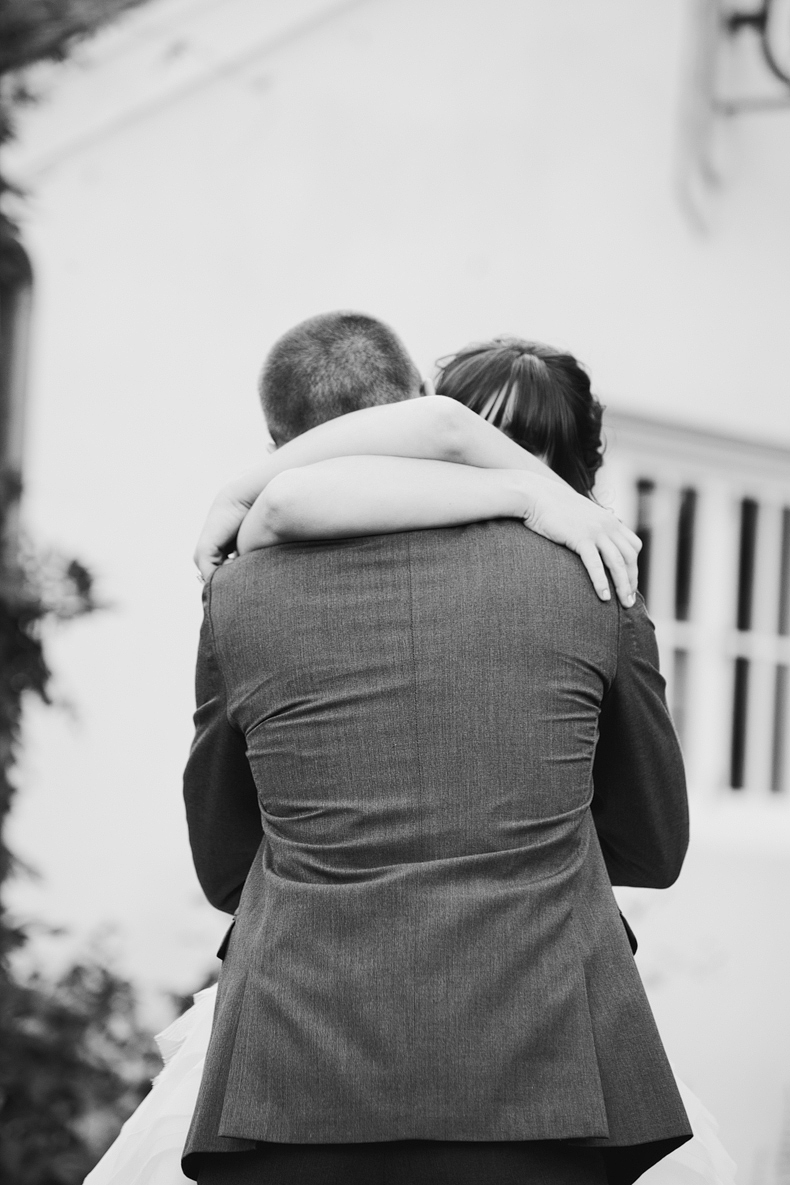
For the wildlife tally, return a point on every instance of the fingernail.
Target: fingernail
(605, 594)
(631, 600)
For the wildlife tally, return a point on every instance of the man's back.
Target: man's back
(427, 945)
(414, 697)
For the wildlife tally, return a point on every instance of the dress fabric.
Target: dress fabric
(148, 1149)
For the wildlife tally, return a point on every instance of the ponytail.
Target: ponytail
(539, 396)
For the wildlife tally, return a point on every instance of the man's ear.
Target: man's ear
(427, 387)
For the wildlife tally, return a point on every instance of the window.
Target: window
(726, 659)
(760, 681)
(783, 616)
(740, 699)
(779, 748)
(644, 529)
(713, 515)
(746, 555)
(685, 553)
(747, 549)
(666, 523)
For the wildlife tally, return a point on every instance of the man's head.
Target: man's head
(330, 365)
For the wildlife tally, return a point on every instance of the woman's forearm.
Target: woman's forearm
(364, 495)
(351, 496)
(427, 428)
(430, 428)
(478, 443)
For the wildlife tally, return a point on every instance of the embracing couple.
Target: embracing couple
(428, 742)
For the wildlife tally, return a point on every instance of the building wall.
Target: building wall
(209, 173)
(464, 168)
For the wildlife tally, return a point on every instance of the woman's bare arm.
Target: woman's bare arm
(366, 495)
(432, 428)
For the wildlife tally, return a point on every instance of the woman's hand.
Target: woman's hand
(431, 428)
(594, 533)
(378, 447)
(218, 536)
(352, 496)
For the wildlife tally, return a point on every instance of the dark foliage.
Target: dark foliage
(74, 1060)
(75, 1064)
(34, 31)
(33, 590)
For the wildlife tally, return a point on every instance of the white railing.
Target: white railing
(712, 567)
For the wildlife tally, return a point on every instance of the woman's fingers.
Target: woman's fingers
(623, 575)
(207, 559)
(632, 538)
(620, 559)
(628, 545)
(623, 542)
(591, 558)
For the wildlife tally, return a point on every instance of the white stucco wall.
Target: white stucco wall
(209, 173)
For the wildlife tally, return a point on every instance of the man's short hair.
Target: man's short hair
(329, 365)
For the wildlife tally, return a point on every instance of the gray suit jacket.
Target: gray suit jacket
(420, 761)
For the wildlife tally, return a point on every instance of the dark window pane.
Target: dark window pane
(685, 553)
(783, 623)
(779, 754)
(739, 707)
(644, 529)
(748, 547)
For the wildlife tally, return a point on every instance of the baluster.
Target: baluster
(710, 675)
(762, 676)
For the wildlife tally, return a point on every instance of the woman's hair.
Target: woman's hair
(538, 396)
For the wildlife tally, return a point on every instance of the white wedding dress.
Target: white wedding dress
(148, 1148)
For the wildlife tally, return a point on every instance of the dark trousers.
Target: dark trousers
(407, 1162)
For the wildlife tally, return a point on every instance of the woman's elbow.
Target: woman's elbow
(448, 426)
(277, 503)
(271, 519)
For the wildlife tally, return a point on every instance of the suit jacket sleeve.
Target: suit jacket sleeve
(219, 790)
(639, 801)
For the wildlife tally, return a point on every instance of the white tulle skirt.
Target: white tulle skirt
(148, 1148)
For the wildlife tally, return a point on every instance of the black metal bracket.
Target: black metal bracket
(759, 20)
